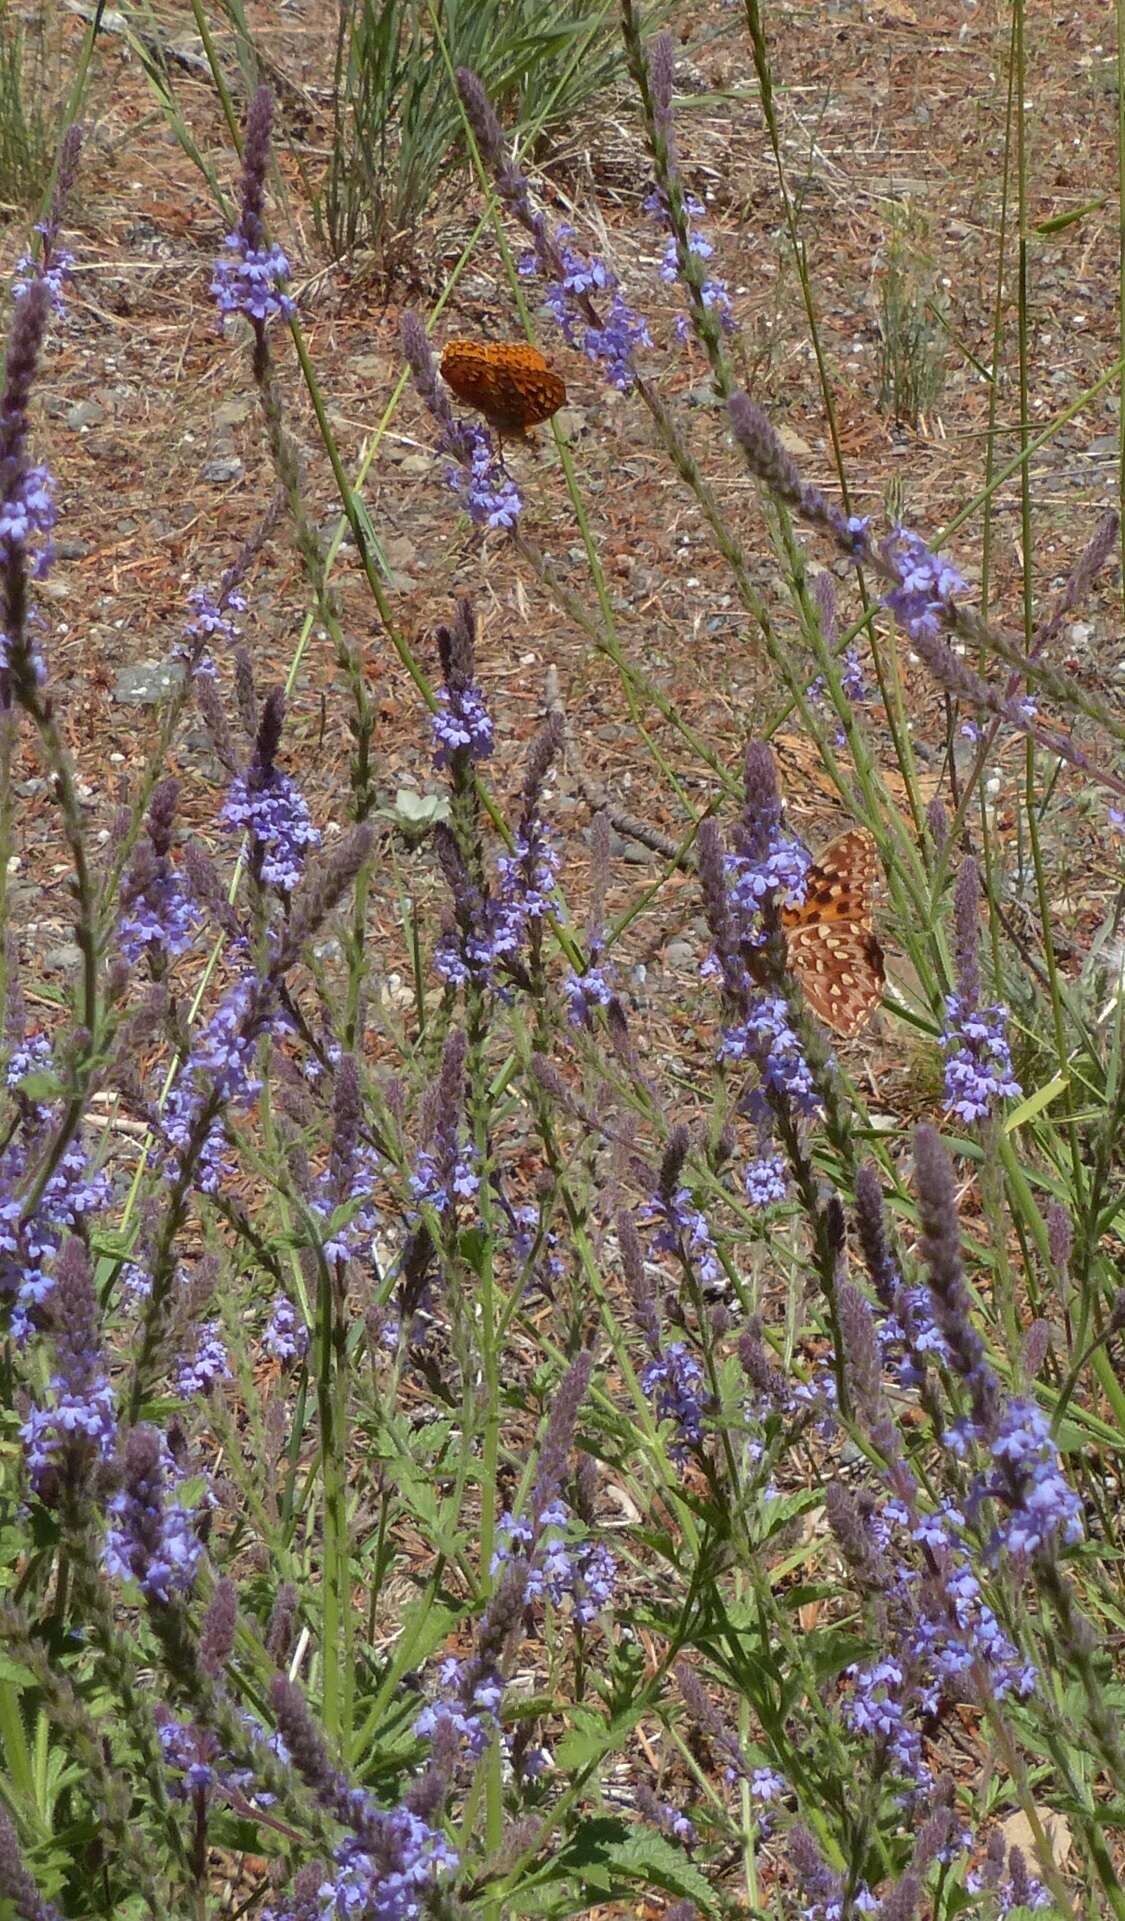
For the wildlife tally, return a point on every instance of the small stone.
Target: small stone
(232, 413)
(147, 683)
(221, 472)
(84, 413)
(63, 960)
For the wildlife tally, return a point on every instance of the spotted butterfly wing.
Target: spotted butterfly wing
(830, 940)
(509, 382)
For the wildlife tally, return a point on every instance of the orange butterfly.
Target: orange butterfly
(507, 381)
(830, 939)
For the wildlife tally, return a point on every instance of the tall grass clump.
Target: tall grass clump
(29, 112)
(472, 1453)
(396, 126)
(911, 322)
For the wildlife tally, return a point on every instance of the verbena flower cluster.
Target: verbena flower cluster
(489, 923)
(575, 285)
(251, 280)
(713, 291)
(250, 277)
(926, 583)
(271, 809)
(76, 1189)
(978, 1060)
(152, 1536)
(159, 917)
(572, 280)
(560, 1567)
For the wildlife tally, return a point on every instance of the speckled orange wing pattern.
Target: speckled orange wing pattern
(830, 939)
(507, 381)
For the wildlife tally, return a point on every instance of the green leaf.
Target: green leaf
(12, 1674)
(1035, 1103)
(414, 812)
(472, 1246)
(40, 1085)
(591, 1736)
(648, 1856)
(1059, 221)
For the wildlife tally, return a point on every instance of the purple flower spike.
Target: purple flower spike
(461, 725)
(674, 1382)
(926, 586)
(158, 919)
(978, 1060)
(713, 292)
(766, 1181)
(77, 1427)
(767, 1038)
(585, 993)
(268, 806)
(1040, 1510)
(275, 814)
(286, 1337)
(17, 1885)
(251, 281)
(151, 1540)
(491, 496)
(27, 513)
(572, 278)
(55, 263)
(207, 1367)
(250, 278)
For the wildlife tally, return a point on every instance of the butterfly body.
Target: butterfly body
(830, 939)
(509, 382)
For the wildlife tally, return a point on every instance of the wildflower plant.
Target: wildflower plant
(484, 1438)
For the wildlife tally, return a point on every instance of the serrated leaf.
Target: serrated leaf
(12, 1674)
(40, 1085)
(590, 1737)
(590, 1843)
(584, 1740)
(471, 1246)
(651, 1857)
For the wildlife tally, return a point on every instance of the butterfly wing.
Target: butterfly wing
(543, 395)
(523, 390)
(509, 382)
(830, 939)
(840, 968)
(464, 367)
